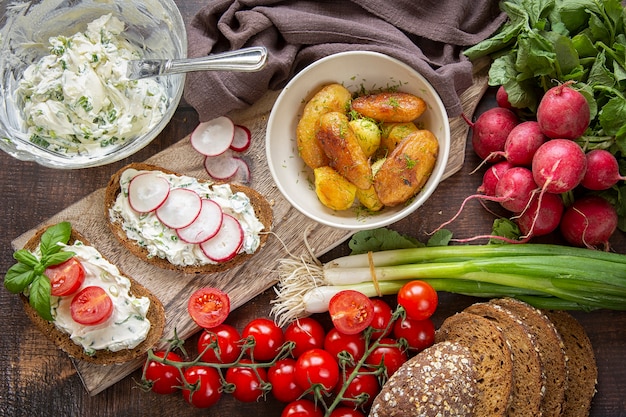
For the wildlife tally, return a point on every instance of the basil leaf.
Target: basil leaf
(50, 239)
(18, 277)
(25, 257)
(56, 258)
(39, 297)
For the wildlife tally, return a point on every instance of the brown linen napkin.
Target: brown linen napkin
(428, 35)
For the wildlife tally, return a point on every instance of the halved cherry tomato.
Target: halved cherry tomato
(91, 306)
(282, 376)
(247, 383)
(382, 317)
(268, 337)
(419, 334)
(389, 354)
(351, 311)
(65, 278)
(226, 343)
(208, 307)
(207, 383)
(419, 299)
(307, 333)
(163, 379)
(302, 408)
(316, 366)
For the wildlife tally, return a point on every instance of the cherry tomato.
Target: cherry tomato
(65, 278)
(360, 384)
(302, 408)
(419, 334)
(268, 336)
(228, 346)
(317, 366)
(307, 333)
(91, 306)
(382, 317)
(247, 384)
(351, 311)
(208, 386)
(208, 307)
(346, 412)
(389, 354)
(337, 342)
(419, 300)
(164, 379)
(282, 376)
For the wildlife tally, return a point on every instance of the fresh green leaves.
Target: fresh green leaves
(27, 275)
(386, 239)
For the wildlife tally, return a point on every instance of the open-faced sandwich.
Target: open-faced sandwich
(81, 301)
(183, 223)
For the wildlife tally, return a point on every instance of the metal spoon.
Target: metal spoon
(245, 59)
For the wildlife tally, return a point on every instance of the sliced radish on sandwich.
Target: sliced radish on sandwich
(147, 191)
(180, 209)
(221, 167)
(213, 137)
(205, 226)
(225, 245)
(241, 139)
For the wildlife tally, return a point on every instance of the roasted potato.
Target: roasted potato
(332, 97)
(343, 150)
(392, 134)
(390, 106)
(332, 189)
(367, 133)
(369, 199)
(407, 168)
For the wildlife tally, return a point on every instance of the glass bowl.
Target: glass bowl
(156, 27)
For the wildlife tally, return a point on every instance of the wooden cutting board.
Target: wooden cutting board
(244, 282)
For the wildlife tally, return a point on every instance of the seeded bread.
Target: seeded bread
(439, 381)
(582, 375)
(528, 378)
(156, 316)
(492, 357)
(262, 209)
(551, 352)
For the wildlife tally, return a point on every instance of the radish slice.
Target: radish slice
(243, 173)
(147, 191)
(213, 137)
(226, 243)
(241, 139)
(180, 209)
(221, 167)
(205, 226)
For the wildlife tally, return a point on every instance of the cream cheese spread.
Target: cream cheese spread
(162, 241)
(77, 99)
(125, 329)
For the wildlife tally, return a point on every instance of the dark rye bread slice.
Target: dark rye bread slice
(551, 352)
(156, 316)
(492, 358)
(262, 209)
(439, 381)
(582, 371)
(528, 377)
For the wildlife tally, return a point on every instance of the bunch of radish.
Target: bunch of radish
(221, 141)
(535, 164)
(195, 220)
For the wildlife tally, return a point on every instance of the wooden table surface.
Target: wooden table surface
(39, 380)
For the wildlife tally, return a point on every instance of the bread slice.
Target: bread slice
(262, 209)
(528, 377)
(551, 352)
(492, 357)
(582, 371)
(156, 316)
(438, 381)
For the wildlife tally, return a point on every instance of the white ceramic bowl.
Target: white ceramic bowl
(155, 25)
(357, 71)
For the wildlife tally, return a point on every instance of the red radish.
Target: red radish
(243, 174)
(491, 130)
(226, 243)
(522, 143)
(502, 98)
(241, 139)
(147, 191)
(563, 113)
(542, 216)
(221, 167)
(602, 170)
(589, 222)
(180, 209)
(559, 165)
(205, 226)
(213, 137)
(491, 177)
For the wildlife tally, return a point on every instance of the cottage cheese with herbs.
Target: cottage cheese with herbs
(125, 329)
(163, 242)
(77, 100)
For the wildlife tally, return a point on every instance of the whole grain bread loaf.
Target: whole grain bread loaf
(156, 316)
(440, 381)
(262, 209)
(491, 353)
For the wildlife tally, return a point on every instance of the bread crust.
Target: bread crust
(156, 315)
(262, 209)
